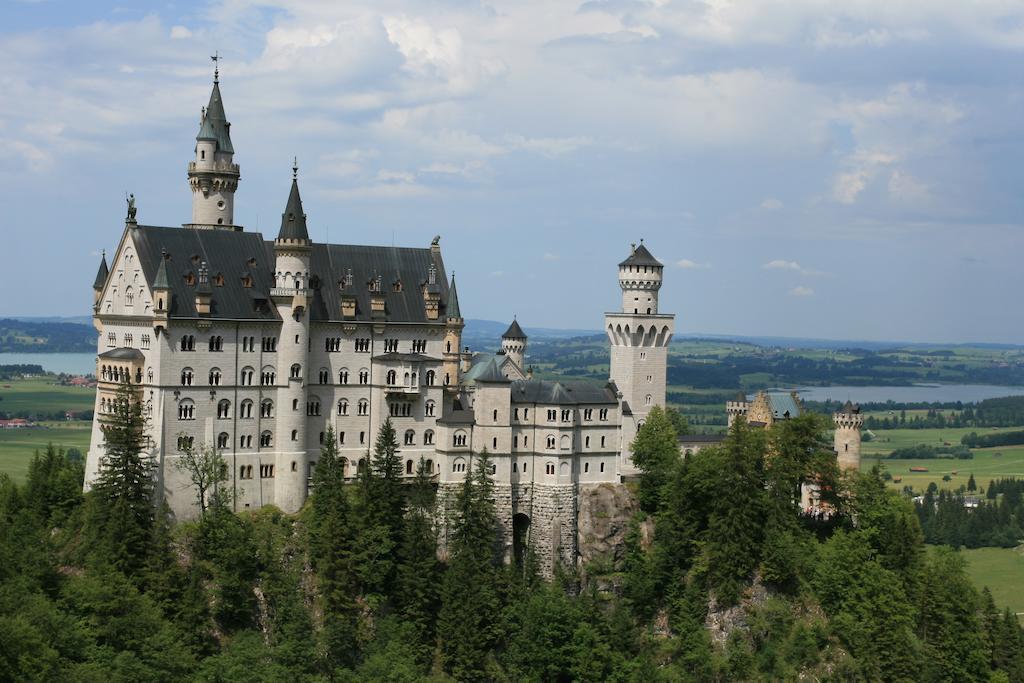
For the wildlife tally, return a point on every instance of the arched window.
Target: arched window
(364, 376)
(266, 439)
(410, 438)
(268, 376)
(363, 408)
(391, 377)
(267, 408)
(429, 466)
(343, 407)
(247, 374)
(647, 400)
(428, 409)
(343, 376)
(186, 377)
(313, 406)
(296, 371)
(222, 440)
(245, 409)
(186, 409)
(428, 437)
(408, 466)
(551, 442)
(430, 378)
(458, 465)
(325, 376)
(566, 442)
(295, 435)
(214, 377)
(459, 438)
(223, 409)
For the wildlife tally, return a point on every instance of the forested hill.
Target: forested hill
(22, 336)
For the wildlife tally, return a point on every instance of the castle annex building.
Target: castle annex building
(257, 347)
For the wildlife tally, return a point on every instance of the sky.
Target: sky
(845, 170)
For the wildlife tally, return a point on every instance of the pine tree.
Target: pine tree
(972, 486)
(418, 570)
(655, 453)
(330, 546)
(468, 620)
(122, 506)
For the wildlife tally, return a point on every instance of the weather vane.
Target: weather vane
(216, 65)
(295, 168)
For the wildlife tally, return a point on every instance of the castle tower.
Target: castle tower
(639, 338)
(291, 293)
(513, 343)
(212, 175)
(452, 337)
(849, 422)
(101, 280)
(737, 408)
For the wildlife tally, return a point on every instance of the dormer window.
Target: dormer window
(251, 262)
(396, 286)
(247, 281)
(190, 279)
(195, 258)
(218, 280)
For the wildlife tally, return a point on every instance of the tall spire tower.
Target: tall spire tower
(639, 338)
(212, 175)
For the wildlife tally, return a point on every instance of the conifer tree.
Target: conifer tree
(330, 546)
(655, 454)
(467, 623)
(122, 510)
(418, 569)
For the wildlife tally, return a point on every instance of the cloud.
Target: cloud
(801, 291)
(548, 256)
(497, 273)
(781, 264)
(180, 33)
(772, 204)
(687, 264)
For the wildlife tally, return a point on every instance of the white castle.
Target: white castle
(258, 347)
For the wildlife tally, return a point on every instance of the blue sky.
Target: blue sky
(803, 168)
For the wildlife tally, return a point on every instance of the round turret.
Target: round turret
(513, 343)
(848, 422)
(640, 278)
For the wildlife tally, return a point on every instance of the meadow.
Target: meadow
(1001, 570)
(17, 446)
(44, 396)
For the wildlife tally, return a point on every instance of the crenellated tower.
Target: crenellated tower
(639, 338)
(849, 422)
(213, 175)
(452, 338)
(513, 343)
(291, 295)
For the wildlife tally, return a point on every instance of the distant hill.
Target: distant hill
(37, 336)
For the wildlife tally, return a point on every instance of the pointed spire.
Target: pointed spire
(102, 273)
(514, 331)
(160, 282)
(215, 124)
(293, 220)
(453, 301)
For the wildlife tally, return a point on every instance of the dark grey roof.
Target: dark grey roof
(225, 252)
(215, 124)
(514, 331)
(101, 274)
(457, 417)
(563, 392)
(237, 253)
(161, 274)
(122, 354)
(850, 407)
(641, 257)
(411, 357)
(453, 301)
(490, 372)
(293, 220)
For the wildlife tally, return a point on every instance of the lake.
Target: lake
(931, 393)
(71, 363)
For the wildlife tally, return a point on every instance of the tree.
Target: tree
(418, 571)
(972, 486)
(206, 470)
(678, 420)
(122, 511)
(468, 620)
(330, 547)
(655, 453)
(382, 513)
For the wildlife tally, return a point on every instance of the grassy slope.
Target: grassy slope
(43, 395)
(17, 446)
(1002, 570)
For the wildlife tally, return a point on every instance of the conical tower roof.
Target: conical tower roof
(160, 282)
(514, 331)
(640, 256)
(453, 301)
(215, 124)
(101, 274)
(293, 220)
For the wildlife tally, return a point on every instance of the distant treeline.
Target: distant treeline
(52, 337)
(946, 519)
(1007, 411)
(923, 452)
(975, 440)
(10, 371)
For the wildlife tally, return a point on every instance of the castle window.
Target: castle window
(586, 442)
(586, 467)
(362, 440)
(218, 279)
(245, 410)
(266, 471)
(190, 279)
(428, 409)
(295, 404)
(650, 379)
(247, 281)
(362, 345)
(222, 440)
(588, 414)
(202, 155)
(643, 355)
(269, 344)
(343, 376)
(430, 378)
(647, 400)
(216, 343)
(602, 467)
(363, 407)
(129, 296)
(459, 439)
(325, 376)
(552, 414)
(267, 377)
(128, 341)
(515, 467)
(186, 377)
(186, 410)
(566, 442)
(390, 346)
(341, 438)
(419, 346)
(526, 413)
(410, 439)
(515, 413)
(428, 438)
(267, 408)
(296, 371)
(603, 414)
(495, 415)
(391, 376)
(549, 468)
(342, 407)
(185, 442)
(494, 443)
(515, 442)
(364, 376)
(223, 409)
(566, 416)
(145, 341)
(551, 442)
(332, 344)
(602, 442)
(112, 339)
(266, 439)
(246, 377)
(295, 435)
(214, 377)
(313, 407)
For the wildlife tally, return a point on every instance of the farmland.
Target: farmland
(18, 445)
(1001, 570)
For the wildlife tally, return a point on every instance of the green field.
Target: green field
(43, 395)
(17, 446)
(1002, 570)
